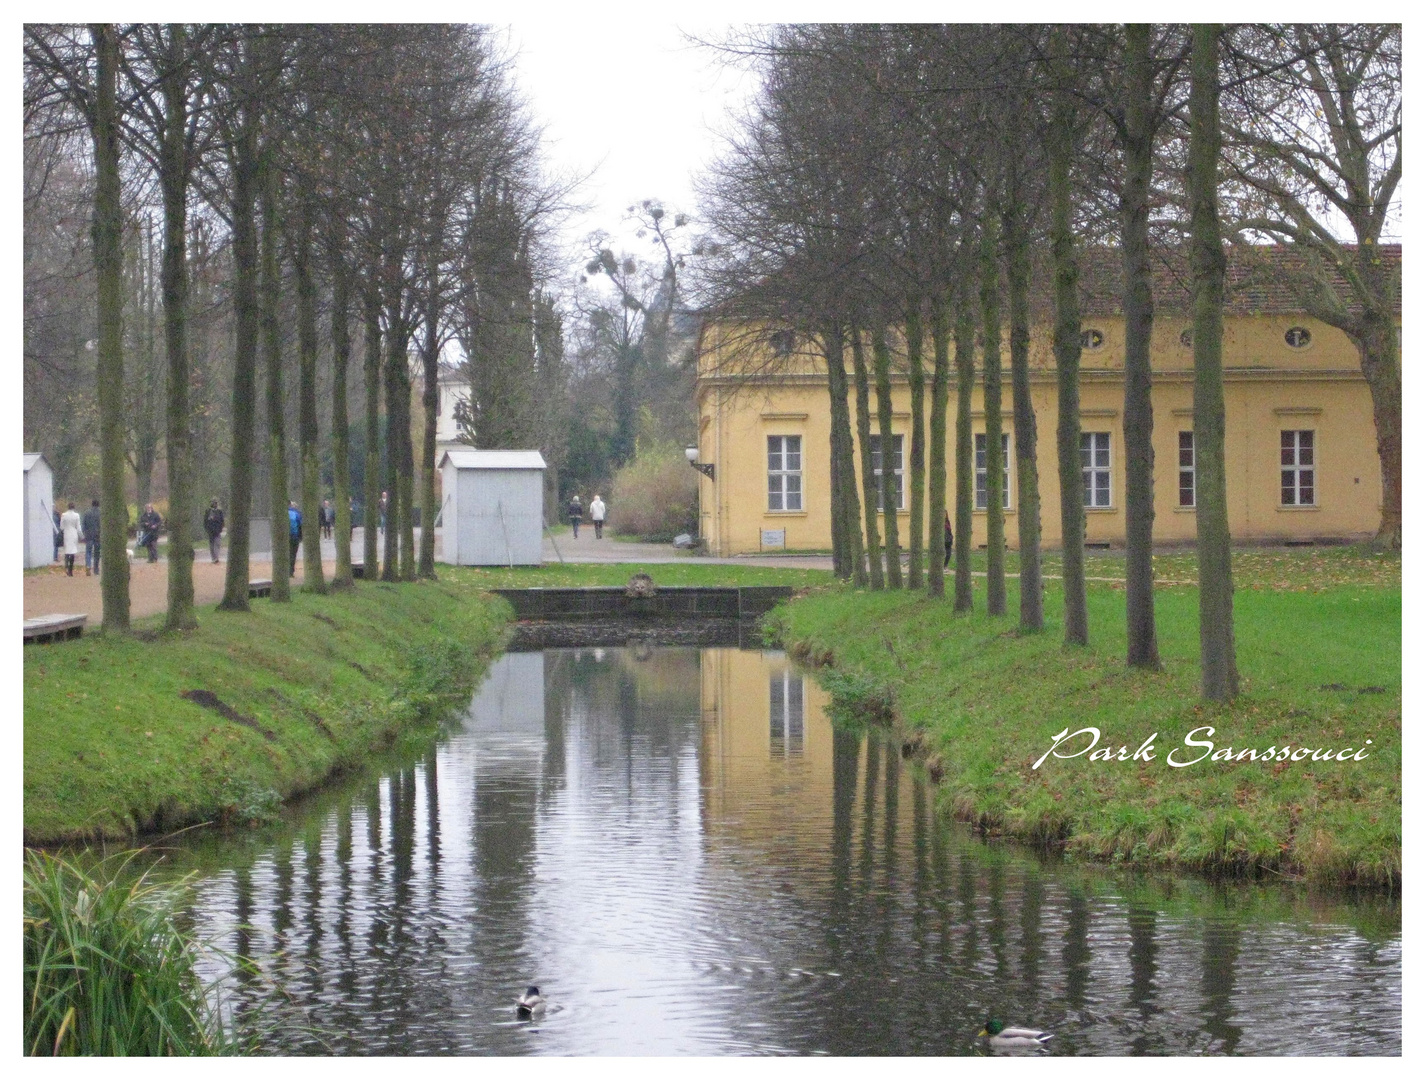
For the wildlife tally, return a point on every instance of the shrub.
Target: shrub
(655, 496)
(107, 971)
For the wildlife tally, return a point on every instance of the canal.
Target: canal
(687, 857)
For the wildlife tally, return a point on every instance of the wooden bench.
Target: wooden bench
(259, 587)
(46, 628)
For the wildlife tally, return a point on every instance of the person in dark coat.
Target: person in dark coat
(576, 514)
(90, 523)
(149, 525)
(213, 525)
(58, 535)
(949, 538)
(294, 535)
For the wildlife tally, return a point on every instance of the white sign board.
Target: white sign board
(774, 538)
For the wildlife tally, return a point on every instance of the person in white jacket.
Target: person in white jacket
(596, 515)
(70, 527)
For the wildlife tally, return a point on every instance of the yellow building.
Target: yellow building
(1301, 446)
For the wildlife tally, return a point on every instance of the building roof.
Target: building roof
(493, 459)
(1264, 279)
(30, 460)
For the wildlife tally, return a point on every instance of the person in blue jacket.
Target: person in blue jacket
(294, 535)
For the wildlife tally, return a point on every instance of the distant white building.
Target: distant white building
(452, 388)
(39, 511)
(492, 507)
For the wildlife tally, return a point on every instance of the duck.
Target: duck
(530, 1002)
(1013, 1038)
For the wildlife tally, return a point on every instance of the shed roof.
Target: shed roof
(493, 459)
(30, 460)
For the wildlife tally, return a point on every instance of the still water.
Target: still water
(687, 857)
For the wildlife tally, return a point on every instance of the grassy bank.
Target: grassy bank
(1318, 636)
(147, 733)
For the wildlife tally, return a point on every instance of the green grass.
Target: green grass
(113, 748)
(1318, 646)
(107, 970)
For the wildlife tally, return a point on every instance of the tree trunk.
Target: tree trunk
(173, 178)
(1067, 348)
(890, 502)
(395, 418)
(915, 353)
(868, 479)
(964, 450)
(1138, 337)
(994, 427)
(1026, 432)
(1380, 363)
(939, 403)
(430, 400)
(308, 437)
(1209, 270)
(371, 370)
(272, 361)
(245, 319)
(108, 230)
(846, 510)
(341, 435)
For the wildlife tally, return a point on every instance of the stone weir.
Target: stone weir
(676, 603)
(640, 613)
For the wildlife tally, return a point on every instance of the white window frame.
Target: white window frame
(1094, 443)
(784, 474)
(1187, 467)
(1298, 475)
(786, 712)
(898, 472)
(982, 471)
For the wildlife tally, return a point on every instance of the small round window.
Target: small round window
(1091, 339)
(1298, 337)
(1185, 338)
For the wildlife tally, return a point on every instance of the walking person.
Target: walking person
(69, 527)
(949, 539)
(90, 524)
(149, 525)
(58, 535)
(328, 519)
(383, 513)
(596, 513)
(576, 514)
(294, 536)
(213, 525)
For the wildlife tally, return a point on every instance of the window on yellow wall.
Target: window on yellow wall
(1094, 458)
(784, 472)
(1187, 470)
(982, 472)
(1298, 468)
(896, 478)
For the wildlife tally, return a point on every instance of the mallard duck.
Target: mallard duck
(530, 1002)
(1013, 1038)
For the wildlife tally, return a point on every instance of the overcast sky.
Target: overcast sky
(631, 102)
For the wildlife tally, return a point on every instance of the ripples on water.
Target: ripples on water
(688, 858)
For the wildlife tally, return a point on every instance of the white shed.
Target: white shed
(39, 511)
(492, 513)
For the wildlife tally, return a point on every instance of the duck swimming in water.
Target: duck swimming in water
(530, 1002)
(1013, 1038)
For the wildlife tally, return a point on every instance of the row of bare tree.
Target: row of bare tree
(896, 182)
(385, 176)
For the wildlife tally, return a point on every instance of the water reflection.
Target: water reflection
(687, 857)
